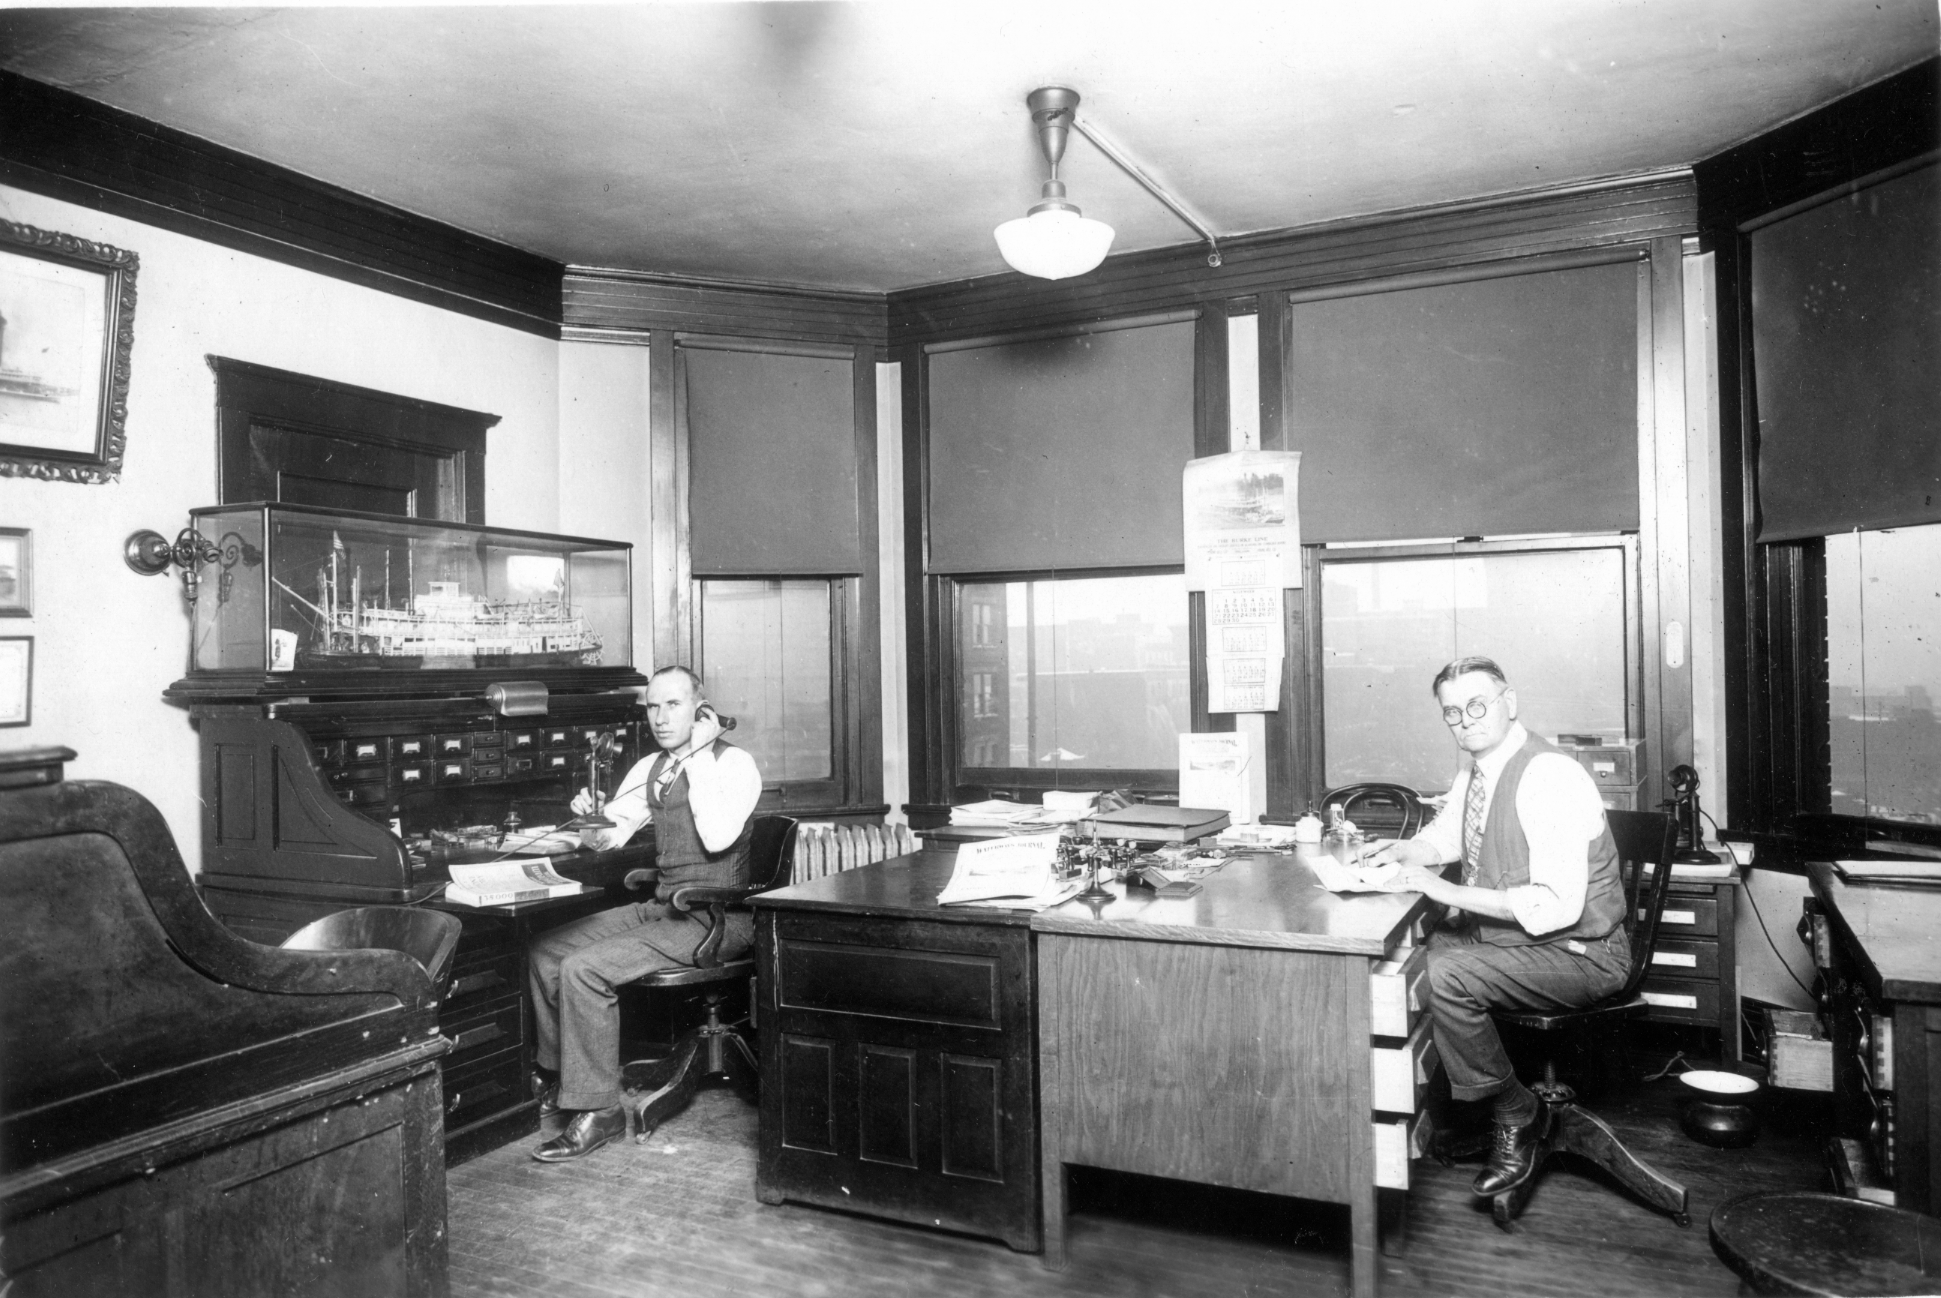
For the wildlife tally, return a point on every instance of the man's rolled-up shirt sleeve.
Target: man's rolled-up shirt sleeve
(1558, 803)
(628, 809)
(1444, 833)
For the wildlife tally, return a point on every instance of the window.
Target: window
(1558, 619)
(767, 649)
(1883, 645)
(1074, 675)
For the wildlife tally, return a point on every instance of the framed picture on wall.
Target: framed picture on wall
(16, 572)
(67, 325)
(16, 680)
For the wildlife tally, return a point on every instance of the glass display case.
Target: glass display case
(304, 590)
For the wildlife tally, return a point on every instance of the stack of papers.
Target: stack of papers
(997, 813)
(1257, 836)
(1017, 873)
(1336, 877)
(1888, 871)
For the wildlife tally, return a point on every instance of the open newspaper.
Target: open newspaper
(1017, 873)
(502, 883)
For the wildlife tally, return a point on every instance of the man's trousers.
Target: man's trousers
(1468, 978)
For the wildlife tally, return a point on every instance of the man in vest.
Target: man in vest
(699, 793)
(1537, 921)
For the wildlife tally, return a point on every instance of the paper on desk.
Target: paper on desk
(1024, 865)
(1059, 893)
(1336, 877)
(1218, 770)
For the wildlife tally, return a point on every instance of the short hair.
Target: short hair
(1464, 666)
(698, 690)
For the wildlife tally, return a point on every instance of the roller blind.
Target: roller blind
(1061, 453)
(771, 464)
(1487, 407)
(1846, 337)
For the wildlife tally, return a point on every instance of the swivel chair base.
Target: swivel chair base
(1575, 1130)
(715, 1052)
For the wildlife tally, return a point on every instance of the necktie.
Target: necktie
(1472, 827)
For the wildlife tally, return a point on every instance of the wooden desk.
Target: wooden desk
(897, 1051)
(1884, 994)
(1224, 1038)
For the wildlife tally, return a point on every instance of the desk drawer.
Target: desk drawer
(1688, 916)
(482, 1086)
(1398, 1073)
(478, 986)
(1682, 1000)
(1397, 1144)
(1396, 992)
(1685, 958)
(493, 1027)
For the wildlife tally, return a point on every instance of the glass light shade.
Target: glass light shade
(1054, 245)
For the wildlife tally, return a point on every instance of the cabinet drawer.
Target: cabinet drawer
(1397, 1144)
(1398, 1073)
(1396, 989)
(522, 741)
(487, 1030)
(452, 770)
(1682, 1000)
(410, 748)
(483, 1086)
(1686, 915)
(451, 745)
(1685, 957)
(478, 986)
(484, 770)
(369, 794)
(415, 775)
(364, 751)
(556, 761)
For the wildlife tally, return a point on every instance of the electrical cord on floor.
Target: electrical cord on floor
(1754, 901)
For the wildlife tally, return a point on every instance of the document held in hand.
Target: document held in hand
(502, 883)
(1023, 866)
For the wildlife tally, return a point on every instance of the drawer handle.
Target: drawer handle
(458, 1099)
(477, 1036)
(477, 982)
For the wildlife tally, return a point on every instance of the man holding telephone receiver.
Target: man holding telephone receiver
(699, 793)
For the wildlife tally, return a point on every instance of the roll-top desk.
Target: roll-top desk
(376, 697)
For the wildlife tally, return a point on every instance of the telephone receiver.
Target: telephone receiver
(705, 708)
(1691, 837)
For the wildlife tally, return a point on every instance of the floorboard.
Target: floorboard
(678, 1216)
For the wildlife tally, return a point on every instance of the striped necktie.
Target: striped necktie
(1472, 826)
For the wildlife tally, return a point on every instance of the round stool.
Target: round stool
(1826, 1245)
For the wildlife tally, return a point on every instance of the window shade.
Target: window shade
(1846, 338)
(771, 464)
(1490, 407)
(1061, 453)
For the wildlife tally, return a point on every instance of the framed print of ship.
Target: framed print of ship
(67, 326)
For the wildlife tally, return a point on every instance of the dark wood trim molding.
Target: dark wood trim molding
(1867, 131)
(72, 148)
(1627, 210)
(864, 651)
(599, 301)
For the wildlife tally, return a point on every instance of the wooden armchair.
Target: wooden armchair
(715, 1051)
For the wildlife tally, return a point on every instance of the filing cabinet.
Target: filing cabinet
(1402, 1059)
(1694, 968)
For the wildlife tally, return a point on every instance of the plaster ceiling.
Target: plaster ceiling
(875, 145)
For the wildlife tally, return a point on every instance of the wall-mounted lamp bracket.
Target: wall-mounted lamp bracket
(150, 554)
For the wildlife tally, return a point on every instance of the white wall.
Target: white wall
(604, 473)
(108, 642)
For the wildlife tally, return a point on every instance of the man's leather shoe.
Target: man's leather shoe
(1513, 1154)
(549, 1100)
(589, 1129)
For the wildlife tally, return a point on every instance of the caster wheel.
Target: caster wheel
(1683, 1219)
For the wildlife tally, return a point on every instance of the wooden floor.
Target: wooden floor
(678, 1216)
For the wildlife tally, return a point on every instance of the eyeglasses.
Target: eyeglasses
(1476, 708)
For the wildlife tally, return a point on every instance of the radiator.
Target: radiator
(822, 847)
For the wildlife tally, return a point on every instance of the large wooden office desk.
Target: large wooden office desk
(1883, 991)
(1226, 1038)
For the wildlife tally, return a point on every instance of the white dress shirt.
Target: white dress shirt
(722, 791)
(1561, 811)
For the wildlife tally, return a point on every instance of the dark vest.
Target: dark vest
(677, 846)
(1503, 862)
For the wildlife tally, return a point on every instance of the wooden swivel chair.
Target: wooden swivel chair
(428, 936)
(1397, 809)
(1644, 838)
(715, 1051)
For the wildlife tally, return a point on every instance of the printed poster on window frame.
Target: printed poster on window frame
(1243, 548)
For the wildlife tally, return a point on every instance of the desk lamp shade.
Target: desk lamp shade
(1054, 240)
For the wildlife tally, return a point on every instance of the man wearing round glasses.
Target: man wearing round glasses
(1537, 921)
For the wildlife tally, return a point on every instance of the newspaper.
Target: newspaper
(1023, 867)
(504, 883)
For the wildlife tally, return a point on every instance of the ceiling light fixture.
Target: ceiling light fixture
(1054, 240)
